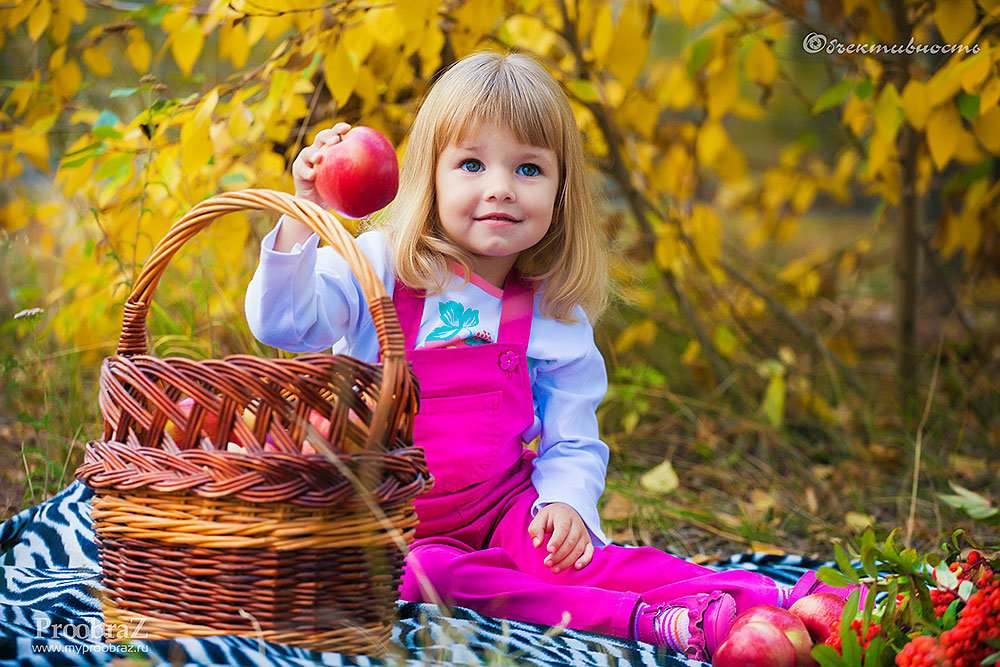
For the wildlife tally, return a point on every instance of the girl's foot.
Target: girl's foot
(694, 625)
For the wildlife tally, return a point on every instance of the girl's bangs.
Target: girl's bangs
(525, 108)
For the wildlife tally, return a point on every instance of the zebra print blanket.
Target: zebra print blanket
(50, 613)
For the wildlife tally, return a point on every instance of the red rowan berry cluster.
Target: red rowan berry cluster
(965, 644)
(979, 620)
(923, 651)
(856, 625)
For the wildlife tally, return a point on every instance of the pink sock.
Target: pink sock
(661, 626)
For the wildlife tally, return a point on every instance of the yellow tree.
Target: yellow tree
(135, 114)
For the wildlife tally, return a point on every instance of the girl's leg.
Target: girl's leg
(656, 575)
(490, 582)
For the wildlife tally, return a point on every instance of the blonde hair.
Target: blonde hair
(515, 91)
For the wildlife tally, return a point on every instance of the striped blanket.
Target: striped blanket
(50, 613)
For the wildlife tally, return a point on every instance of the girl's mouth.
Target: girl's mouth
(497, 219)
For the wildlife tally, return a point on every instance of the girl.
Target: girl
(494, 257)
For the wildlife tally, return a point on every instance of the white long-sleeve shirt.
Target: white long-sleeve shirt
(308, 300)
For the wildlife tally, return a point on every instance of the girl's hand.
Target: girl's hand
(304, 167)
(569, 544)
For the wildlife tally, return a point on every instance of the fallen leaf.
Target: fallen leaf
(822, 471)
(857, 521)
(811, 503)
(661, 479)
(763, 547)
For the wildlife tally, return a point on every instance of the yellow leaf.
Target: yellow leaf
(943, 127)
(431, 44)
(75, 10)
(705, 230)
(39, 20)
(643, 332)
(880, 149)
(205, 108)
(855, 115)
(186, 45)
(662, 479)
(138, 51)
(97, 61)
(196, 146)
(991, 7)
(987, 129)
(990, 95)
(66, 80)
(712, 139)
(359, 40)
(857, 521)
(630, 46)
(233, 43)
(21, 11)
(340, 71)
(416, 13)
(722, 90)
(385, 25)
(954, 18)
(677, 90)
(975, 69)
(773, 404)
(60, 27)
(667, 249)
(916, 104)
(695, 12)
(603, 32)
(888, 116)
(34, 146)
(761, 65)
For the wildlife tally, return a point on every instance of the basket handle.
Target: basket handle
(390, 335)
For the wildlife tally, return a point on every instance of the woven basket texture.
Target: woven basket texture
(270, 498)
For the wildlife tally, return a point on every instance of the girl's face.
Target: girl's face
(495, 197)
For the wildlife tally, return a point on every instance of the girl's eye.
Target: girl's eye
(471, 166)
(529, 170)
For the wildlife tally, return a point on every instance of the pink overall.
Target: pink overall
(472, 546)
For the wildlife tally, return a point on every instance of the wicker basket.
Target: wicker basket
(200, 537)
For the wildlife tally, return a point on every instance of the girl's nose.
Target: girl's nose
(499, 188)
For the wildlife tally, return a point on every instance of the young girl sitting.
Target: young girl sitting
(497, 266)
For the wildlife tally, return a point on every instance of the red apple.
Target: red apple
(359, 174)
(818, 612)
(755, 644)
(794, 629)
(209, 425)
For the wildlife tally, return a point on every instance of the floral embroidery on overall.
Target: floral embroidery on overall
(458, 321)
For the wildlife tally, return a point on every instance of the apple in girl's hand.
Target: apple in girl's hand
(359, 174)
(755, 644)
(794, 629)
(818, 612)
